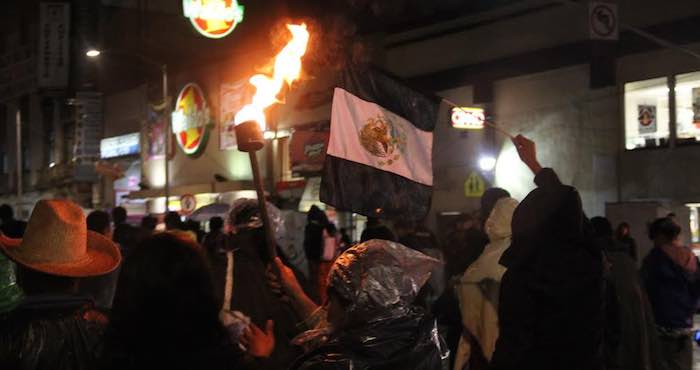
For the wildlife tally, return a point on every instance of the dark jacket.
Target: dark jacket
(630, 335)
(50, 332)
(630, 246)
(407, 343)
(551, 303)
(13, 228)
(313, 240)
(126, 236)
(462, 249)
(221, 356)
(673, 292)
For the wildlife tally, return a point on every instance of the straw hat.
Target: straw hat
(57, 242)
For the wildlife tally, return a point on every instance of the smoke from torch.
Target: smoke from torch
(287, 69)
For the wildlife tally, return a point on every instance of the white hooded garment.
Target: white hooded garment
(479, 287)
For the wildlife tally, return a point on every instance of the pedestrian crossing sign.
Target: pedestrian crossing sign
(474, 186)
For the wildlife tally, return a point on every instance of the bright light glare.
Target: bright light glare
(92, 53)
(487, 163)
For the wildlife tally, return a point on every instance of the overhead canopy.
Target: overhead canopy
(213, 187)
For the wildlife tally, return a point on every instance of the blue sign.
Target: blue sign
(120, 146)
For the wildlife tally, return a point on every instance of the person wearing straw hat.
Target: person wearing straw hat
(53, 327)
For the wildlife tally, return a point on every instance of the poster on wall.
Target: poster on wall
(696, 106)
(646, 116)
(232, 98)
(307, 151)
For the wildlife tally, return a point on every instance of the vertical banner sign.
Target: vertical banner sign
(154, 133)
(603, 23)
(646, 116)
(54, 33)
(232, 99)
(88, 126)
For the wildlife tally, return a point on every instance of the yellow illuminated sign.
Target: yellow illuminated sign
(213, 18)
(468, 118)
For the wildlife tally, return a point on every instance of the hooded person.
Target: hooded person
(478, 289)
(317, 221)
(245, 274)
(53, 327)
(372, 321)
(550, 309)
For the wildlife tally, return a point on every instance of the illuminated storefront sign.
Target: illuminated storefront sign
(119, 146)
(213, 18)
(190, 119)
(468, 118)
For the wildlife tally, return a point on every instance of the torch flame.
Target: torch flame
(287, 69)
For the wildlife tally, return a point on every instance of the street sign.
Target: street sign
(603, 22)
(474, 186)
(468, 118)
(188, 204)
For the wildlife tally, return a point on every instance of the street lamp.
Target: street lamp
(487, 163)
(94, 53)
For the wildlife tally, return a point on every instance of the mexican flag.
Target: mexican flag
(379, 159)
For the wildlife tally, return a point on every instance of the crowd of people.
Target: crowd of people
(534, 284)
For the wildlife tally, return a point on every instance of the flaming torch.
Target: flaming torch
(250, 120)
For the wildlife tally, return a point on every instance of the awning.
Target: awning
(213, 187)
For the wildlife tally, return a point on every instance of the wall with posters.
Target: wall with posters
(212, 158)
(666, 171)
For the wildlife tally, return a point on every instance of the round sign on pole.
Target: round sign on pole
(188, 204)
(190, 120)
(603, 22)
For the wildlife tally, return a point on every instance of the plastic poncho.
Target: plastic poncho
(10, 293)
(479, 287)
(380, 280)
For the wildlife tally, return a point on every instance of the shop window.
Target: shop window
(646, 113)
(688, 108)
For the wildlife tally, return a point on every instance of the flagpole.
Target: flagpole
(488, 123)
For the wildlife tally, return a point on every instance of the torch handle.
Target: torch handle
(257, 179)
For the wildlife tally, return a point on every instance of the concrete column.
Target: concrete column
(11, 146)
(37, 140)
(58, 132)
